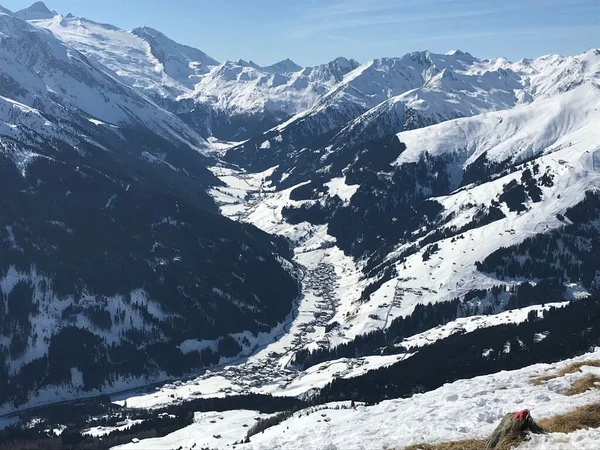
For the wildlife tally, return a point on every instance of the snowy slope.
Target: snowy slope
(143, 58)
(37, 67)
(461, 410)
(517, 135)
(182, 63)
(209, 430)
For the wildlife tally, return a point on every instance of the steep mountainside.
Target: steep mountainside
(144, 59)
(113, 254)
(38, 68)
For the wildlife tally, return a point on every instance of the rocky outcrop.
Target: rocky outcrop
(512, 427)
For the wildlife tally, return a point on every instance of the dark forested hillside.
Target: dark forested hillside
(110, 261)
(568, 331)
(568, 254)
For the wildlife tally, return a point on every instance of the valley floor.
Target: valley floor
(331, 287)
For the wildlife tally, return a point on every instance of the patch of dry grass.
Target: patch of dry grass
(471, 444)
(584, 417)
(571, 368)
(590, 381)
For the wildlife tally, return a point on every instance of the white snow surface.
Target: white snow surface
(518, 134)
(102, 431)
(131, 55)
(472, 323)
(209, 430)
(580, 439)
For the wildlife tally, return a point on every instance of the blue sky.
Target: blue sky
(315, 31)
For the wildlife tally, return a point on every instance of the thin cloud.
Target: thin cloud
(322, 18)
(342, 8)
(551, 31)
(311, 28)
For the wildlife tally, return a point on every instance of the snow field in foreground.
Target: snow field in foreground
(461, 410)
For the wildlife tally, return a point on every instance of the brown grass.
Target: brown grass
(471, 444)
(584, 417)
(571, 368)
(583, 384)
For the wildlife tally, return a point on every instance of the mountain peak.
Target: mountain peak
(147, 31)
(37, 11)
(340, 61)
(285, 66)
(466, 56)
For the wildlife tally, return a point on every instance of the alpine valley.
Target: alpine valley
(197, 251)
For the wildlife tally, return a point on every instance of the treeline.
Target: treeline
(425, 317)
(568, 254)
(101, 363)
(155, 422)
(568, 331)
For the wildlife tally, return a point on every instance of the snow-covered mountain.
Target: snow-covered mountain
(37, 11)
(235, 92)
(244, 87)
(39, 68)
(144, 58)
(393, 94)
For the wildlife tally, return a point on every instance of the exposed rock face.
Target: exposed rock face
(512, 427)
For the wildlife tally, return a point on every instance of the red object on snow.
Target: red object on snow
(521, 416)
